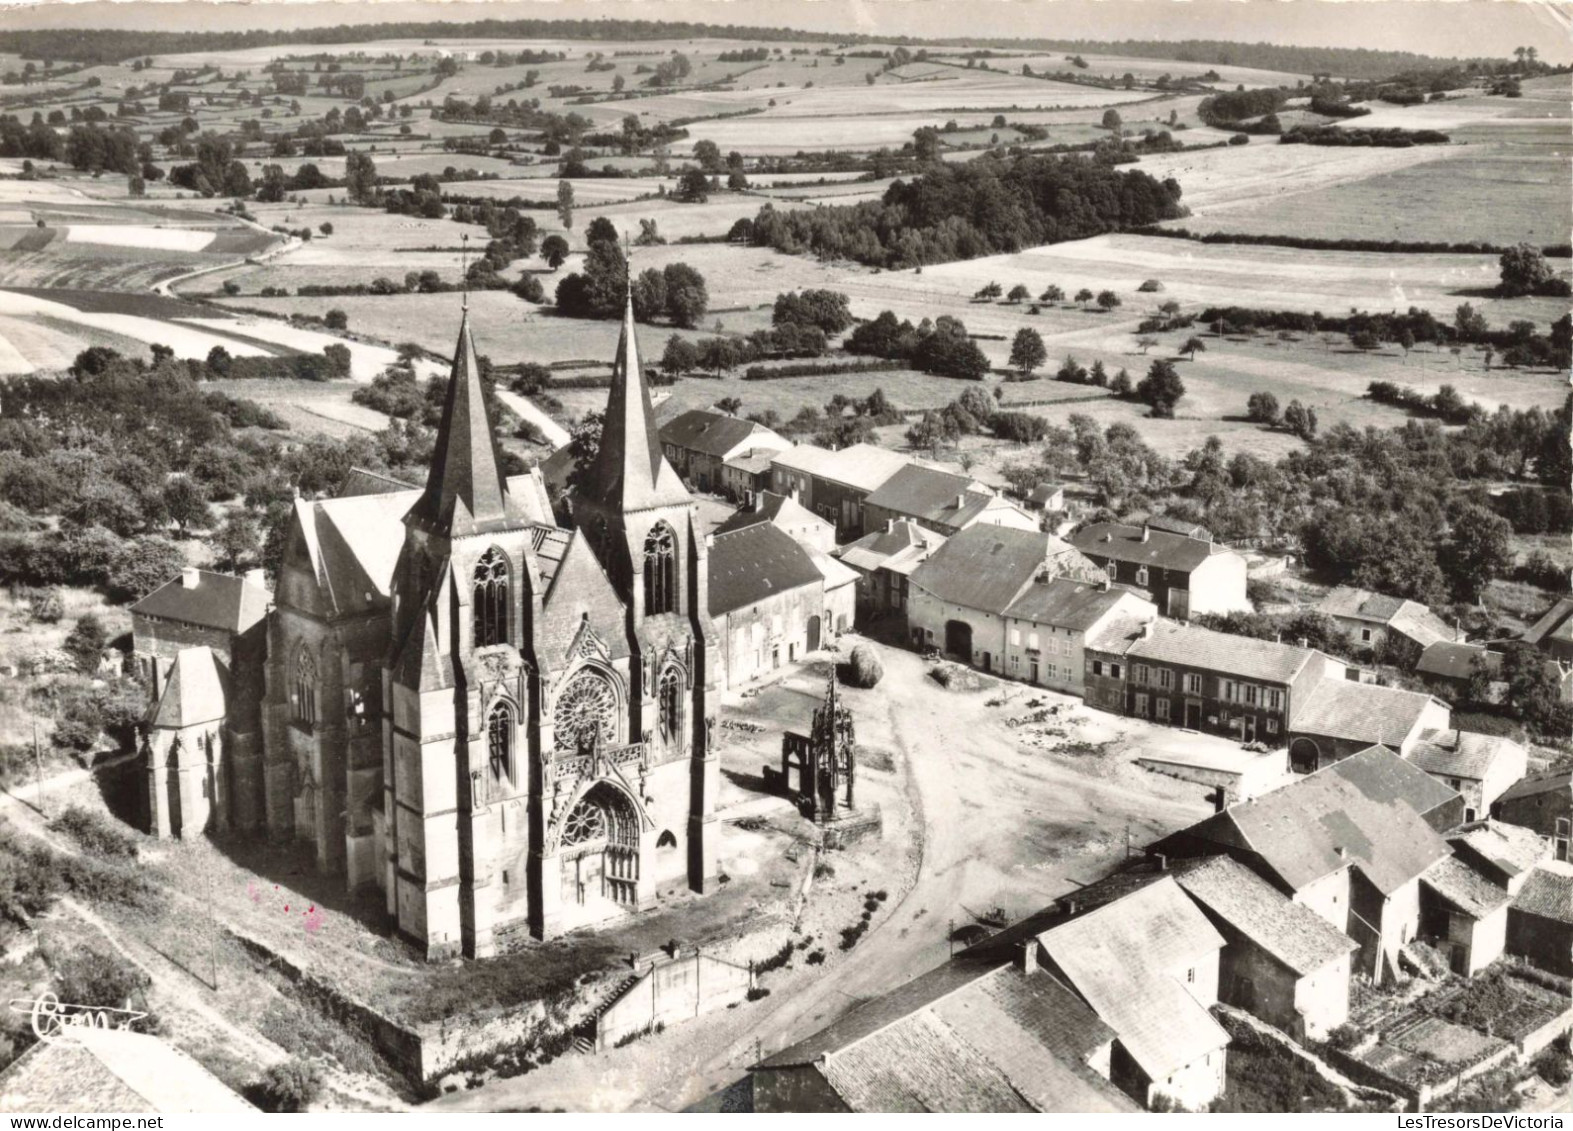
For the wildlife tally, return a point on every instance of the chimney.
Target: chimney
(759, 501)
(1027, 956)
(189, 577)
(1146, 532)
(961, 500)
(797, 494)
(890, 526)
(1161, 860)
(1220, 802)
(709, 541)
(1107, 536)
(1146, 630)
(257, 577)
(1070, 904)
(1343, 853)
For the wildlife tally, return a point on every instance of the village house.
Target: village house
(834, 484)
(941, 502)
(1341, 717)
(1503, 853)
(1463, 914)
(1371, 620)
(1047, 626)
(1185, 575)
(1542, 802)
(1351, 842)
(1047, 498)
(974, 1035)
(884, 561)
(1481, 767)
(1446, 667)
(1540, 920)
(958, 597)
(697, 444)
(1193, 677)
(744, 476)
(1553, 632)
(768, 598)
(787, 514)
(1148, 965)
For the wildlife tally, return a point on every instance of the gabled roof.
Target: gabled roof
(1267, 661)
(931, 495)
(835, 574)
(1462, 753)
(1547, 893)
(754, 563)
(1291, 932)
(864, 467)
(217, 600)
(1550, 781)
(988, 567)
(901, 546)
(781, 510)
(969, 1036)
(1161, 548)
(1361, 712)
(360, 481)
(96, 1070)
(629, 472)
(715, 433)
(1408, 618)
(1465, 888)
(1509, 849)
(197, 691)
(1449, 660)
(1065, 603)
(1043, 492)
(1127, 960)
(464, 492)
(1555, 625)
(1361, 811)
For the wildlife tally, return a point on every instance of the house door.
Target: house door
(775, 657)
(1032, 670)
(1459, 959)
(1248, 728)
(1180, 604)
(986, 666)
(958, 639)
(1193, 715)
(813, 634)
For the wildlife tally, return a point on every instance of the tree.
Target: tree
(142, 565)
(1121, 385)
(529, 289)
(730, 405)
(1469, 323)
(1162, 388)
(1534, 690)
(1027, 351)
(1111, 119)
(1052, 293)
(1300, 420)
(687, 298)
(708, 154)
(360, 177)
(600, 229)
(86, 642)
(649, 295)
(554, 249)
(1018, 294)
(989, 291)
(827, 310)
(565, 203)
(1193, 345)
(1525, 271)
(1083, 297)
(336, 319)
(693, 186)
(290, 1086)
(1108, 300)
(237, 542)
(679, 357)
(1146, 342)
(186, 503)
(1479, 549)
(1262, 408)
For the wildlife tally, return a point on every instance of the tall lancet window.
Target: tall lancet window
(305, 696)
(670, 698)
(499, 742)
(491, 598)
(660, 571)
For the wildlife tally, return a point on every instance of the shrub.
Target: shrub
(86, 643)
(289, 1086)
(48, 606)
(1344, 1037)
(1150, 286)
(1552, 1064)
(95, 833)
(757, 992)
(94, 977)
(865, 669)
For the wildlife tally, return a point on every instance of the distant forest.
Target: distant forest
(984, 207)
(113, 45)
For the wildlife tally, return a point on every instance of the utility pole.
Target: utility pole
(212, 934)
(38, 770)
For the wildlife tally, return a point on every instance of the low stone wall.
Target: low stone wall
(673, 991)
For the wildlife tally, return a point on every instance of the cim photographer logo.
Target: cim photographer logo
(54, 1019)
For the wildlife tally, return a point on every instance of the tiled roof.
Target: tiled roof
(1043, 492)
(1556, 624)
(901, 546)
(835, 574)
(753, 462)
(1465, 888)
(1455, 661)
(931, 495)
(1160, 547)
(1548, 893)
(782, 510)
(984, 567)
(1266, 661)
(1361, 712)
(1462, 753)
(808, 459)
(713, 433)
(97, 1070)
(1408, 618)
(1359, 811)
(1068, 604)
(197, 691)
(757, 562)
(363, 482)
(1292, 933)
(1127, 960)
(864, 466)
(1511, 849)
(1179, 526)
(218, 600)
(1551, 781)
(919, 1064)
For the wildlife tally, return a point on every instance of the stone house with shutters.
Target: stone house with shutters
(698, 443)
(1046, 629)
(942, 502)
(1542, 802)
(835, 484)
(1185, 575)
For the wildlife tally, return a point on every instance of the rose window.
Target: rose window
(586, 713)
(586, 822)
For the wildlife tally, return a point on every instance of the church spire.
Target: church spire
(629, 471)
(465, 491)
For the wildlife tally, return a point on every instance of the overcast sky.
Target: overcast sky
(1433, 27)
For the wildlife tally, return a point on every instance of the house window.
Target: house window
(1139, 674)
(1141, 576)
(1097, 667)
(1272, 726)
(1032, 639)
(491, 598)
(1114, 671)
(1111, 570)
(499, 742)
(660, 571)
(1163, 710)
(1253, 694)
(1165, 678)
(1193, 684)
(1275, 699)
(1015, 636)
(1365, 636)
(305, 697)
(1065, 647)
(1141, 705)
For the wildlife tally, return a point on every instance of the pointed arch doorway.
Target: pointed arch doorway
(599, 850)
